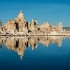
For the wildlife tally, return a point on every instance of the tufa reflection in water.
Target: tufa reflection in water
(19, 44)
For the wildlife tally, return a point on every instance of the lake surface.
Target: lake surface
(35, 53)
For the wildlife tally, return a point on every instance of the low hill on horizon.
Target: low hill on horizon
(66, 28)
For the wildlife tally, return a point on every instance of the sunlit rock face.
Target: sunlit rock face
(34, 26)
(21, 15)
(20, 21)
(60, 27)
(16, 25)
(10, 27)
(45, 27)
(19, 26)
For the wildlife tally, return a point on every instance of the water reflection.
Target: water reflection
(19, 44)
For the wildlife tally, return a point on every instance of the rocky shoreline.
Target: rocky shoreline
(20, 27)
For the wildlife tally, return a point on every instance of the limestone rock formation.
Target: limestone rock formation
(0, 27)
(17, 25)
(45, 27)
(34, 26)
(21, 15)
(60, 27)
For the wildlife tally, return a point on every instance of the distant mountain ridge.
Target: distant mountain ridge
(66, 28)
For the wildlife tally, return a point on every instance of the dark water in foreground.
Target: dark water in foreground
(35, 53)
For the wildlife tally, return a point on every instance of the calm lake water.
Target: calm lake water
(35, 53)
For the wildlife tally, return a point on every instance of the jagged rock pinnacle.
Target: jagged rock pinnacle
(21, 15)
(21, 11)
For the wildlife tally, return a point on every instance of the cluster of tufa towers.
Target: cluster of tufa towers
(19, 26)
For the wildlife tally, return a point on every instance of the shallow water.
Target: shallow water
(35, 53)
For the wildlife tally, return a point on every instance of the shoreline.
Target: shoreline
(63, 33)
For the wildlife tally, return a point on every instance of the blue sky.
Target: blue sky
(53, 11)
